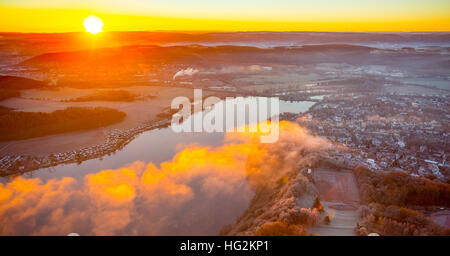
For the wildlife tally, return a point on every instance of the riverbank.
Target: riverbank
(115, 140)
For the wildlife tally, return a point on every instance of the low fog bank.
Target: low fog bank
(196, 193)
(287, 203)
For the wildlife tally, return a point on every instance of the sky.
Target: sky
(230, 15)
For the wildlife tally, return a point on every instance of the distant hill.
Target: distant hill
(19, 83)
(58, 42)
(121, 63)
(193, 54)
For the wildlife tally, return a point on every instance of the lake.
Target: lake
(217, 194)
(154, 146)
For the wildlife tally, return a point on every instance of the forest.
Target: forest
(20, 83)
(399, 188)
(6, 94)
(397, 203)
(25, 125)
(113, 95)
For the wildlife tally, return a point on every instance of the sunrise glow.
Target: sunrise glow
(93, 24)
(180, 119)
(196, 15)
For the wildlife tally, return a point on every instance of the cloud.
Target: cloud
(196, 193)
(240, 69)
(185, 72)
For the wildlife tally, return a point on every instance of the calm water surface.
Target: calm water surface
(207, 213)
(155, 146)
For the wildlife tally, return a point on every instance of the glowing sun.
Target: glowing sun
(93, 24)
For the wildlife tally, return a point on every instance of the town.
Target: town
(115, 140)
(385, 131)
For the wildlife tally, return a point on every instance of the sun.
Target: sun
(93, 24)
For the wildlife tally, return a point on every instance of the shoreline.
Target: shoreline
(115, 140)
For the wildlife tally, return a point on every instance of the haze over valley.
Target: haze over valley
(86, 143)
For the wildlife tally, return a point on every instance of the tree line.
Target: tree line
(25, 125)
(394, 200)
(114, 95)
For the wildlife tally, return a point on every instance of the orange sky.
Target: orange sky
(233, 15)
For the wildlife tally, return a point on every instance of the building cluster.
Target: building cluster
(115, 140)
(386, 131)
